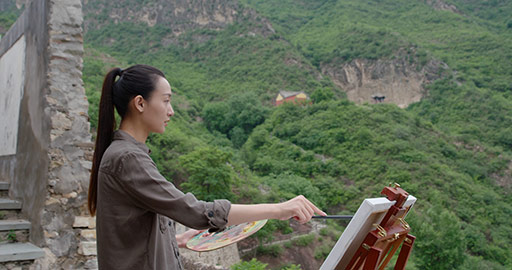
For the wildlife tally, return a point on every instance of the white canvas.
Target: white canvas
(371, 211)
(12, 78)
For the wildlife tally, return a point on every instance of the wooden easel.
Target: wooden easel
(381, 244)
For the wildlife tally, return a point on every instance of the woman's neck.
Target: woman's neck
(134, 130)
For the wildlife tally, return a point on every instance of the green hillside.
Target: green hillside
(452, 150)
(479, 52)
(8, 15)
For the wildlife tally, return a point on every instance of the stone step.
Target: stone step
(6, 204)
(4, 186)
(4, 189)
(16, 224)
(19, 252)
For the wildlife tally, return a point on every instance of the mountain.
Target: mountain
(443, 134)
(443, 131)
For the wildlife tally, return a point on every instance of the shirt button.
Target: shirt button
(210, 214)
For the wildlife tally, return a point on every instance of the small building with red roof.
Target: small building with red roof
(288, 96)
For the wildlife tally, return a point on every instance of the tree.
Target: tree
(322, 94)
(250, 265)
(288, 185)
(236, 117)
(210, 176)
(440, 240)
(214, 115)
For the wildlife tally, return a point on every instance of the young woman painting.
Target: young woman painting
(134, 204)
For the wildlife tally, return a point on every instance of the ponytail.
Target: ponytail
(105, 131)
(133, 81)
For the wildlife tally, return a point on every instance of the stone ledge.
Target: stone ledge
(4, 186)
(87, 248)
(84, 222)
(9, 204)
(19, 252)
(88, 234)
(18, 224)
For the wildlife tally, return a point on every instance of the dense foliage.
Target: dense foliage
(452, 150)
(449, 150)
(8, 15)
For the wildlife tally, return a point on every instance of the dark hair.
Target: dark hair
(133, 81)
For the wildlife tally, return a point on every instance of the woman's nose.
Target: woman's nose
(171, 112)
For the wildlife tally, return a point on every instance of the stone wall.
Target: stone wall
(70, 149)
(49, 169)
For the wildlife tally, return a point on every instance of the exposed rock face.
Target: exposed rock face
(399, 81)
(179, 15)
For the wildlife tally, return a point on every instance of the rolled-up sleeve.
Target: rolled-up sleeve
(140, 178)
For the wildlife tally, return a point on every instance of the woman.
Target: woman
(135, 205)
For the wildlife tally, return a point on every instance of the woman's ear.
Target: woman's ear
(138, 103)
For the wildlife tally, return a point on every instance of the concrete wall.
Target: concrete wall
(26, 168)
(12, 74)
(48, 158)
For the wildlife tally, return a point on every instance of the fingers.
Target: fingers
(183, 238)
(316, 209)
(306, 209)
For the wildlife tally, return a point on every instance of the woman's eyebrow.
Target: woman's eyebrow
(167, 94)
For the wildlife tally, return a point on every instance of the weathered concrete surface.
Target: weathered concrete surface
(12, 75)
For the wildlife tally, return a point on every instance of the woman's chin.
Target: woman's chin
(160, 131)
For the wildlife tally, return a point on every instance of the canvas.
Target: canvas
(370, 212)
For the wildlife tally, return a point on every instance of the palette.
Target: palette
(207, 241)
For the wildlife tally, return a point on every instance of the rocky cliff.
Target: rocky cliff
(400, 80)
(178, 16)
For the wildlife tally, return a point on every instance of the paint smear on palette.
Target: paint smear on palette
(207, 241)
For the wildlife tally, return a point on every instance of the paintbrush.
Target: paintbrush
(344, 217)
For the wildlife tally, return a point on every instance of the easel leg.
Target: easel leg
(405, 252)
(372, 259)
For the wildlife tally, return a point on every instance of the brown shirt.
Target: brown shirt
(137, 207)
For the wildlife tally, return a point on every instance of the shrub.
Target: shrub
(250, 265)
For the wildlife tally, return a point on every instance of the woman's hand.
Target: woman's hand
(183, 238)
(298, 208)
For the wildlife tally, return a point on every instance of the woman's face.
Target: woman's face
(159, 110)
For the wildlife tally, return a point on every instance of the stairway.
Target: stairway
(15, 247)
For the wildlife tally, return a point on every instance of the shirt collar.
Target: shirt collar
(122, 135)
